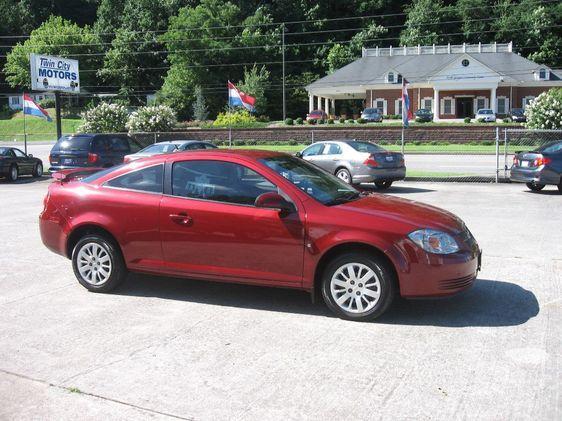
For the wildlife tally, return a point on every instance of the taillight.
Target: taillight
(543, 160)
(92, 158)
(371, 162)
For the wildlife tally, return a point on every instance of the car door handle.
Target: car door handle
(181, 219)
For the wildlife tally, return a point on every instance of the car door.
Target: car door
(330, 158)
(25, 165)
(313, 153)
(210, 227)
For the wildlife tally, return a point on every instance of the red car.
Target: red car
(316, 115)
(255, 217)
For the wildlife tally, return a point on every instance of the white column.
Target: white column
(310, 102)
(319, 102)
(435, 104)
(493, 102)
(327, 105)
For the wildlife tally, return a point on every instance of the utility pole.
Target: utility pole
(283, 60)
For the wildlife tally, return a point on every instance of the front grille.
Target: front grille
(457, 283)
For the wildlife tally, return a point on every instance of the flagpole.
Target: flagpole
(229, 118)
(24, 125)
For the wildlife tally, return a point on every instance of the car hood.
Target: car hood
(413, 215)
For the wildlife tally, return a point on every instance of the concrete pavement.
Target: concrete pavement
(164, 348)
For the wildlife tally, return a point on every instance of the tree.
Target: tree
(422, 23)
(255, 84)
(56, 37)
(475, 26)
(200, 111)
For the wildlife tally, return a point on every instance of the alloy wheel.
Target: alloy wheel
(94, 264)
(344, 175)
(355, 288)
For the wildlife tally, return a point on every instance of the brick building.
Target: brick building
(453, 81)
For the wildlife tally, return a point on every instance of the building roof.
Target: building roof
(372, 69)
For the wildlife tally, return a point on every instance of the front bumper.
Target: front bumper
(379, 174)
(540, 175)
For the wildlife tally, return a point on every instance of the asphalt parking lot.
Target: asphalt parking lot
(166, 348)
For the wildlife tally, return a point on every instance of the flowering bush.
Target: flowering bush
(545, 112)
(236, 118)
(104, 118)
(158, 118)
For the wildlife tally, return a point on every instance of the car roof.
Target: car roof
(253, 154)
(181, 142)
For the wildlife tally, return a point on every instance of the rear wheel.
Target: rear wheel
(358, 286)
(535, 186)
(98, 264)
(560, 187)
(344, 174)
(383, 185)
(13, 173)
(38, 170)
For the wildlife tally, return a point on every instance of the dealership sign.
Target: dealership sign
(54, 74)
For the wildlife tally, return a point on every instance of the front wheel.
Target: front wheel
(358, 286)
(344, 175)
(383, 185)
(98, 264)
(535, 186)
(38, 170)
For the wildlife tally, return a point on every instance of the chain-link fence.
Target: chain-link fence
(443, 153)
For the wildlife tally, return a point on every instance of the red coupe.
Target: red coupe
(255, 217)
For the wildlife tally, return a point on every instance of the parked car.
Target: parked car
(539, 167)
(371, 115)
(424, 115)
(357, 162)
(14, 162)
(316, 115)
(169, 147)
(255, 217)
(517, 115)
(487, 115)
(91, 150)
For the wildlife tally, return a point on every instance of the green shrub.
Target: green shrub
(263, 119)
(545, 111)
(105, 118)
(321, 121)
(289, 121)
(312, 121)
(342, 120)
(488, 143)
(481, 120)
(47, 103)
(252, 142)
(361, 121)
(236, 118)
(419, 120)
(507, 120)
(350, 121)
(219, 142)
(239, 142)
(417, 142)
(383, 142)
(433, 142)
(293, 142)
(467, 120)
(299, 121)
(6, 112)
(330, 121)
(157, 118)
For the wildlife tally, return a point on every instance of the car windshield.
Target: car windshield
(517, 111)
(423, 111)
(73, 143)
(485, 112)
(552, 147)
(159, 148)
(370, 111)
(365, 147)
(318, 184)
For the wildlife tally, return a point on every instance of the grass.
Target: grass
(37, 128)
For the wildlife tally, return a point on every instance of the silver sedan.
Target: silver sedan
(169, 146)
(357, 162)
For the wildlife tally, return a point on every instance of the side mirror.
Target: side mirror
(274, 201)
(298, 154)
(29, 155)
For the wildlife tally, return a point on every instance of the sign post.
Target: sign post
(54, 74)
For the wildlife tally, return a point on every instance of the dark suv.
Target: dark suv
(91, 150)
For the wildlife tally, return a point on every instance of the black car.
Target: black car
(371, 115)
(424, 115)
(517, 115)
(539, 167)
(13, 163)
(91, 150)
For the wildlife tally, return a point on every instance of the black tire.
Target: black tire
(38, 170)
(534, 186)
(117, 271)
(560, 187)
(383, 273)
(13, 173)
(383, 185)
(344, 174)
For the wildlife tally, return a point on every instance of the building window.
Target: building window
(399, 79)
(503, 105)
(527, 101)
(480, 103)
(448, 106)
(398, 106)
(427, 103)
(390, 77)
(15, 100)
(380, 105)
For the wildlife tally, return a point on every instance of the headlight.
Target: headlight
(434, 241)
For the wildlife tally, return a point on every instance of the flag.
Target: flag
(406, 109)
(237, 98)
(30, 107)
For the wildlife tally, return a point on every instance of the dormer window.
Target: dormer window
(390, 77)
(399, 79)
(542, 74)
(393, 77)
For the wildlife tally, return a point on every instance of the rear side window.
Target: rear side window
(73, 143)
(149, 179)
(119, 144)
(332, 149)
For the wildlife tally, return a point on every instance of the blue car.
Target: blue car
(539, 167)
(91, 150)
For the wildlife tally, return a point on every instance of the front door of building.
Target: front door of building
(464, 107)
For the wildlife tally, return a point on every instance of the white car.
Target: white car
(169, 146)
(486, 114)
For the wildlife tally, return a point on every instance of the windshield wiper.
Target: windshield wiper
(344, 198)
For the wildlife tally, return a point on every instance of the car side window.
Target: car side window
(149, 179)
(332, 149)
(101, 144)
(119, 144)
(313, 150)
(219, 181)
(19, 154)
(11, 153)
